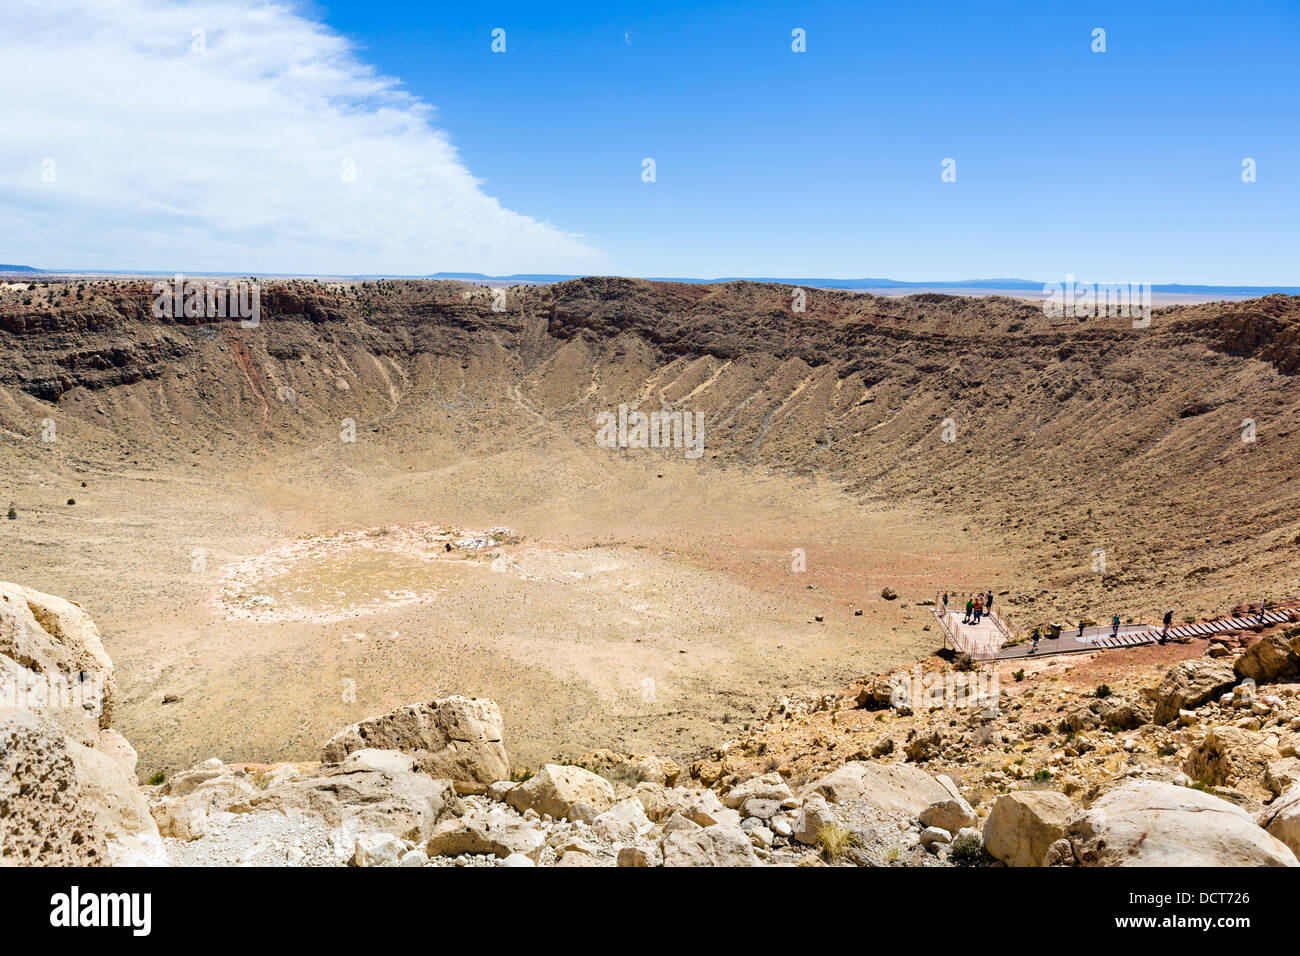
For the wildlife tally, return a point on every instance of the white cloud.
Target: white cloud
(232, 157)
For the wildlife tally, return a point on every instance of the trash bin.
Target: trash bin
(1054, 631)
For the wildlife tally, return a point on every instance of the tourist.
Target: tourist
(1169, 619)
(1262, 604)
(988, 603)
(1033, 641)
(1081, 623)
(979, 607)
(970, 609)
(1114, 626)
(945, 602)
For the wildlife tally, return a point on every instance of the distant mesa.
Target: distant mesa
(952, 287)
(6, 270)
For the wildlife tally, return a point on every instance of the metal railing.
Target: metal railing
(966, 642)
(1004, 628)
(949, 629)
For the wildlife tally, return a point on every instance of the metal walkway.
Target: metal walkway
(1068, 642)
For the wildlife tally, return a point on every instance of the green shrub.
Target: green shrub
(967, 850)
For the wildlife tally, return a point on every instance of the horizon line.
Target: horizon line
(546, 278)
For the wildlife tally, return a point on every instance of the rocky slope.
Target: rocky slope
(1200, 769)
(652, 600)
(1069, 436)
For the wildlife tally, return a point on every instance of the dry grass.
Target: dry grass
(835, 841)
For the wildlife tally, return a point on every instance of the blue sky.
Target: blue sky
(1122, 165)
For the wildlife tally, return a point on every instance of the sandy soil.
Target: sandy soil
(282, 582)
(633, 604)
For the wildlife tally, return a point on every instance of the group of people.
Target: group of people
(977, 605)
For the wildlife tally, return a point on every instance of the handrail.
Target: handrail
(1003, 626)
(1007, 632)
(949, 631)
(974, 649)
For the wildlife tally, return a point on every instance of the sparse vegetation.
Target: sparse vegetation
(967, 850)
(835, 841)
(970, 746)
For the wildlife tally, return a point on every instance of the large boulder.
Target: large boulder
(68, 790)
(375, 791)
(953, 814)
(1189, 684)
(710, 846)
(623, 822)
(120, 808)
(1122, 712)
(63, 804)
(813, 817)
(891, 787)
(1148, 823)
(454, 738)
(557, 791)
(52, 661)
(495, 832)
(378, 849)
(42, 818)
(1233, 757)
(1283, 775)
(701, 806)
(770, 786)
(657, 801)
(1271, 658)
(1281, 818)
(1024, 824)
(186, 806)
